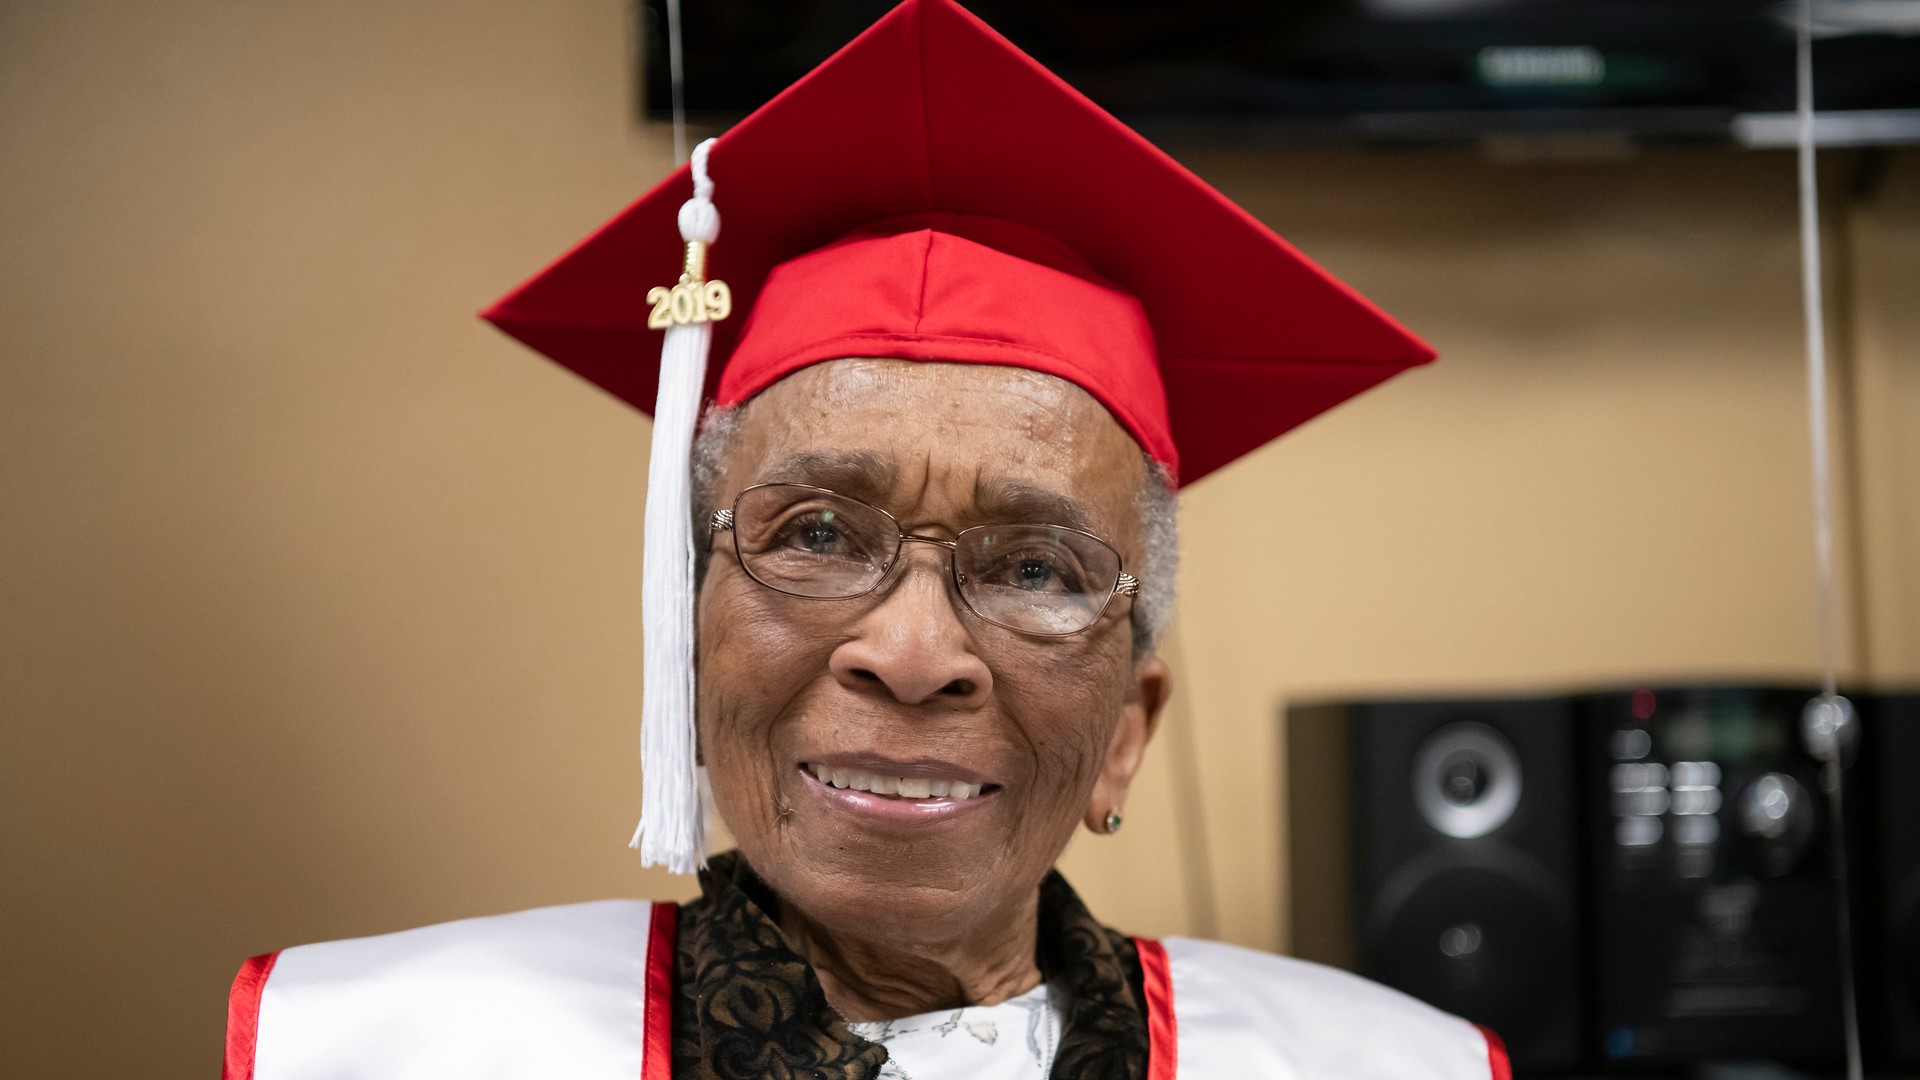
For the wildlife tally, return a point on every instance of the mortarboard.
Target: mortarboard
(930, 192)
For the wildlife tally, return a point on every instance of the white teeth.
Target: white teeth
(906, 787)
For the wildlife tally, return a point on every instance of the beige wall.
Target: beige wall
(318, 601)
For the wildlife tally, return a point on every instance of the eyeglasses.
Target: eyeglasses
(1046, 580)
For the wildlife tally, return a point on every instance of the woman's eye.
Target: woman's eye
(817, 533)
(1037, 572)
(818, 537)
(1034, 574)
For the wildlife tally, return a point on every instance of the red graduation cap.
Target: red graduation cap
(1008, 220)
(932, 193)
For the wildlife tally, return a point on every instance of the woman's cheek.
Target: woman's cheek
(755, 665)
(1068, 707)
(742, 644)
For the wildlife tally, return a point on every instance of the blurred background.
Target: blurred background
(319, 602)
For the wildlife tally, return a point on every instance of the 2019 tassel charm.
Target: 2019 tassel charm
(672, 830)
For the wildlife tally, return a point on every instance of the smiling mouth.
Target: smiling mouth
(896, 787)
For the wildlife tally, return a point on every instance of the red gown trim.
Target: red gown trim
(243, 1016)
(1163, 1047)
(1496, 1055)
(656, 1056)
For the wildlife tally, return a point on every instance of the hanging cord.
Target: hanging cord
(1827, 598)
(1829, 725)
(1190, 797)
(677, 73)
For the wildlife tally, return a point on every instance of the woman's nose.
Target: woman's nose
(912, 644)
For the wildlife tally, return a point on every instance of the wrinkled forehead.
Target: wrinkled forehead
(973, 440)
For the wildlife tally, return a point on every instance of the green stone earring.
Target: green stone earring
(1113, 822)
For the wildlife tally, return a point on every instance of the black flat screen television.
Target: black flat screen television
(1368, 70)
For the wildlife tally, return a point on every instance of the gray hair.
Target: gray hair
(1158, 507)
(1156, 504)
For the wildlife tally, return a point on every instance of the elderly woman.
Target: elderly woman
(935, 550)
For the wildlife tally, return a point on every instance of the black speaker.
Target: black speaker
(1715, 926)
(1889, 929)
(1435, 848)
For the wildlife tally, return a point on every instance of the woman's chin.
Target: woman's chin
(884, 903)
(869, 883)
(919, 868)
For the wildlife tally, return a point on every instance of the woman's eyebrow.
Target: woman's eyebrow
(1006, 500)
(860, 473)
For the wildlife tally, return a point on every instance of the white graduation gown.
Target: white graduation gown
(584, 991)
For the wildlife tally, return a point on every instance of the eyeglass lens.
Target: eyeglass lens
(1038, 579)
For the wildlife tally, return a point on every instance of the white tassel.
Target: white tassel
(672, 829)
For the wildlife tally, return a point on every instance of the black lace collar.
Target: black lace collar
(748, 1007)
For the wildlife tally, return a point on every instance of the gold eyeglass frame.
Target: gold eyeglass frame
(1125, 584)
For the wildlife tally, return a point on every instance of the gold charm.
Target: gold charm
(694, 299)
